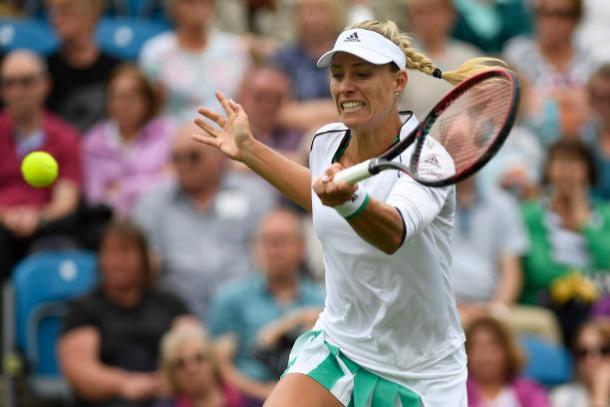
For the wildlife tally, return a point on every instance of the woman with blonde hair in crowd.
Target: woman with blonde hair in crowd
(128, 153)
(495, 361)
(390, 333)
(190, 369)
(591, 353)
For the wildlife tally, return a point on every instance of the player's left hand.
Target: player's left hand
(333, 193)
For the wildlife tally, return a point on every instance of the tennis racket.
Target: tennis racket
(468, 127)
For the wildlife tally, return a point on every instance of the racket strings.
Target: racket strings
(471, 122)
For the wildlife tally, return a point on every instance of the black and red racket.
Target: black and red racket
(468, 126)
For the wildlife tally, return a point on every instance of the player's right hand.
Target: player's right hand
(232, 135)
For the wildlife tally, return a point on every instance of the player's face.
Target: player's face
(364, 94)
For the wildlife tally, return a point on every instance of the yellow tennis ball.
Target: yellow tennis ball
(39, 169)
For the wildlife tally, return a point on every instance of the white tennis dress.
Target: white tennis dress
(394, 315)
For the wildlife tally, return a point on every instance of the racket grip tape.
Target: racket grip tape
(354, 174)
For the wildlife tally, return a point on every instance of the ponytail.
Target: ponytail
(419, 61)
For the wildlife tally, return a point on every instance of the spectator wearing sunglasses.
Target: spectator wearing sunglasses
(129, 152)
(189, 367)
(597, 133)
(28, 214)
(200, 224)
(591, 351)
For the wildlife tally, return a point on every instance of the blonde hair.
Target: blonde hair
(419, 61)
(172, 340)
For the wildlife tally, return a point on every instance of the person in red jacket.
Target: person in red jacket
(27, 213)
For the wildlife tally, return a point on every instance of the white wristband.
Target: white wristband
(354, 206)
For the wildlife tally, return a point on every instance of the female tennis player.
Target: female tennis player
(389, 334)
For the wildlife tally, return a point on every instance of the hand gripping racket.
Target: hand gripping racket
(468, 126)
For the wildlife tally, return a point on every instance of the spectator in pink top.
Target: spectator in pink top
(494, 364)
(127, 153)
(28, 214)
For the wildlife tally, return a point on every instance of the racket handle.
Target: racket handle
(354, 173)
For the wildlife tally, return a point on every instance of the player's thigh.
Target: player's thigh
(299, 390)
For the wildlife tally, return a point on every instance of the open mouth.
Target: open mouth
(351, 106)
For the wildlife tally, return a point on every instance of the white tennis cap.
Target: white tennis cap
(368, 45)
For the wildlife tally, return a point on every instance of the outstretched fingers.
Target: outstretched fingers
(210, 141)
(207, 127)
(225, 104)
(216, 118)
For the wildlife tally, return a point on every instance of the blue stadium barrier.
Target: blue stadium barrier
(42, 285)
(27, 33)
(124, 37)
(547, 363)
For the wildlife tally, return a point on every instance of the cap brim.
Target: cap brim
(363, 53)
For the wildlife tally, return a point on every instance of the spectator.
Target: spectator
(431, 21)
(494, 365)
(489, 240)
(194, 61)
(108, 348)
(591, 352)
(79, 69)
(256, 19)
(566, 229)
(201, 223)
(555, 68)
(518, 166)
(127, 153)
(317, 23)
(489, 24)
(263, 92)
(28, 214)
(189, 366)
(597, 133)
(245, 309)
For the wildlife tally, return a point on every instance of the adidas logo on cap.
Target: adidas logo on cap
(353, 37)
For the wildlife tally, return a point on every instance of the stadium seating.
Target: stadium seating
(27, 33)
(549, 364)
(123, 37)
(40, 288)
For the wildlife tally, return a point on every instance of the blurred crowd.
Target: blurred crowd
(208, 275)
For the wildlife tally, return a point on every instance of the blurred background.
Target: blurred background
(154, 272)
